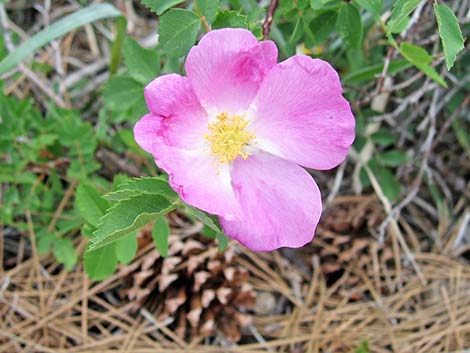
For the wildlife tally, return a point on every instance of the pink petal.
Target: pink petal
(185, 121)
(300, 114)
(269, 52)
(192, 173)
(227, 67)
(280, 201)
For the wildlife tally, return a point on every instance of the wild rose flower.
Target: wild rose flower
(233, 134)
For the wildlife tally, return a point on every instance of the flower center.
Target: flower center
(228, 137)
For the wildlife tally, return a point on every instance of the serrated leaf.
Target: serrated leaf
(57, 29)
(400, 12)
(230, 18)
(207, 8)
(450, 33)
(128, 215)
(160, 235)
(65, 253)
(101, 263)
(178, 30)
(420, 58)
(160, 6)
(143, 64)
(208, 220)
(90, 204)
(126, 248)
(136, 186)
(349, 26)
(121, 92)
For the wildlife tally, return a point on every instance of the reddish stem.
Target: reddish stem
(268, 20)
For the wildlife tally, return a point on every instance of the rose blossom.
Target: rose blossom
(234, 133)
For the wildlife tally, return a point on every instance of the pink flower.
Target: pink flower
(233, 134)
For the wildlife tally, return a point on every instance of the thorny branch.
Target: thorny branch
(268, 20)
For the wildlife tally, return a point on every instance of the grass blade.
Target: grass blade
(82, 17)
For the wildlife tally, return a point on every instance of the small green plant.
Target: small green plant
(363, 347)
(43, 159)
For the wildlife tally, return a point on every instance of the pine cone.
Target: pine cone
(198, 287)
(345, 237)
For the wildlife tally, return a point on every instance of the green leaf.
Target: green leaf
(101, 263)
(298, 30)
(230, 18)
(368, 73)
(136, 186)
(389, 185)
(160, 235)
(128, 215)
(116, 49)
(401, 26)
(121, 92)
(400, 12)
(324, 5)
(463, 135)
(302, 4)
(27, 178)
(45, 242)
(208, 220)
(211, 229)
(207, 8)
(64, 252)
(178, 30)
(449, 30)
(126, 248)
(373, 6)
(57, 29)
(160, 6)
(3, 50)
(349, 26)
(222, 241)
(285, 6)
(90, 204)
(208, 232)
(143, 64)
(384, 137)
(420, 58)
(323, 25)
(393, 158)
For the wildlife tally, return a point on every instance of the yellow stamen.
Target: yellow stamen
(228, 137)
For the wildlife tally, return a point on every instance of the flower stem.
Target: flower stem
(268, 20)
